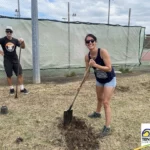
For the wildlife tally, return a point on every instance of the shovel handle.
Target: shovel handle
(85, 76)
(80, 87)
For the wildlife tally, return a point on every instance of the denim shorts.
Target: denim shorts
(111, 83)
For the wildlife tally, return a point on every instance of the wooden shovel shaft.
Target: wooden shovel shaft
(80, 87)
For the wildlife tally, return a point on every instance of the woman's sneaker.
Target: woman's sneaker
(24, 91)
(94, 115)
(106, 131)
(12, 92)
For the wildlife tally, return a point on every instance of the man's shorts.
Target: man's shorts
(11, 66)
(111, 83)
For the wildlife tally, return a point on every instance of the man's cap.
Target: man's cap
(9, 28)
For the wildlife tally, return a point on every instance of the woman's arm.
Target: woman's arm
(106, 58)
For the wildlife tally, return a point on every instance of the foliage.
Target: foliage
(125, 70)
(70, 74)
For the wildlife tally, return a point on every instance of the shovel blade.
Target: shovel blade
(68, 117)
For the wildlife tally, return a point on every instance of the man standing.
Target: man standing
(11, 62)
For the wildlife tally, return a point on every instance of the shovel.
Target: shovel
(69, 113)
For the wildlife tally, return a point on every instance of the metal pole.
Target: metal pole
(128, 35)
(69, 34)
(18, 9)
(108, 11)
(108, 20)
(129, 17)
(35, 42)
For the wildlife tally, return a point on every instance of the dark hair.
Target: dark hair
(92, 36)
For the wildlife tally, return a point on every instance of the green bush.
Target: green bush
(125, 70)
(71, 74)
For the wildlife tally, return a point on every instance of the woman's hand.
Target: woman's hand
(92, 63)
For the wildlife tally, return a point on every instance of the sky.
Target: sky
(95, 11)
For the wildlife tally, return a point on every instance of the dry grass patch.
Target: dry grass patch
(34, 121)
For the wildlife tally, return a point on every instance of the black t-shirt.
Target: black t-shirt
(9, 47)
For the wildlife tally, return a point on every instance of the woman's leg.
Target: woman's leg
(100, 96)
(108, 92)
(99, 93)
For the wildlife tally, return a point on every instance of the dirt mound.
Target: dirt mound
(146, 85)
(123, 88)
(79, 136)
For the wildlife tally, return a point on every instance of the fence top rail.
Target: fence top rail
(73, 22)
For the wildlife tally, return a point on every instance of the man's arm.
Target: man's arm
(21, 43)
(1, 40)
(1, 53)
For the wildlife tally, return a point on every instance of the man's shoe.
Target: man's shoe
(12, 92)
(24, 91)
(95, 115)
(106, 131)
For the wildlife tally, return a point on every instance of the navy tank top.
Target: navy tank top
(100, 75)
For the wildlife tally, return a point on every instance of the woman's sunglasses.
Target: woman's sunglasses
(88, 41)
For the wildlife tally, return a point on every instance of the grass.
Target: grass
(33, 119)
